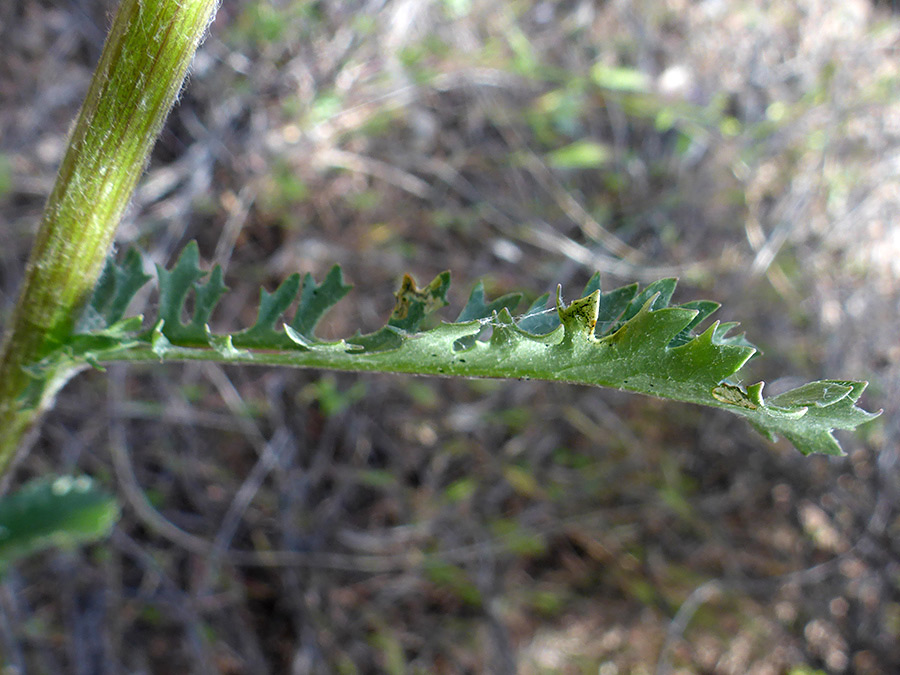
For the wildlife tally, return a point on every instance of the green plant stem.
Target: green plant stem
(143, 65)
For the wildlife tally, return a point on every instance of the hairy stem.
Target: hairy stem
(143, 65)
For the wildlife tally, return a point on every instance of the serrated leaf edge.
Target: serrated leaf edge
(639, 331)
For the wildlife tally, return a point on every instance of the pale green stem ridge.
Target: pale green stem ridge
(141, 70)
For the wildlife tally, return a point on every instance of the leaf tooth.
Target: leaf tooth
(297, 338)
(317, 299)
(273, 305)
(537, 321)
(721, 337)
(657, 326)
(477, 308)
(822, 441)
(115, 289)
(649, 304)
(592, 285)
(820, 394)
(702, 352)
(385, 339)
(474, 305)
(174, 284)
(786, 413)
(767, 433)
(857, 387)
(316, 346)
(706, 338)
(580, 318)
(637, 332)
(224, 345)
(703, 308)
(159, 343)
(613, 306)
(666, 291)
(754, 393)
(206, 297)
(659, 291)
(856, 417)
(504, 333)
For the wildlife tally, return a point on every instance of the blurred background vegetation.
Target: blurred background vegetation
(302, 522)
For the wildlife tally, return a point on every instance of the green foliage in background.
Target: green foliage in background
(49, 512)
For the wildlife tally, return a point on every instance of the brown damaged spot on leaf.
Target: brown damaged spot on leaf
(429, 298)
(732, 395)
(407, 290)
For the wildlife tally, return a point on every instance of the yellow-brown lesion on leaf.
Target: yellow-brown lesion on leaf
(733, 395)
(430, 298)
(407, 290)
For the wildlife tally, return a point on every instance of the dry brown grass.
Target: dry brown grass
(300, 522)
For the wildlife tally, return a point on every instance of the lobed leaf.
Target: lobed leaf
(114, 291)
(477, 308)
(315, 300)
(627, 338)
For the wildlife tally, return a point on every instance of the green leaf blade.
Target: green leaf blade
(316, 299)
(174, 286)
(628, 338)
(46, 513)
(538, 320)
(262, 334)
(613, 306)
(115, 289)
(206, 297)
(477, 308)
